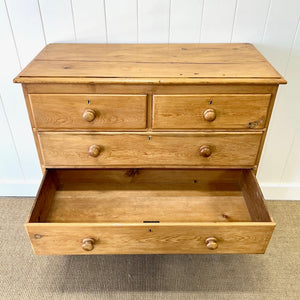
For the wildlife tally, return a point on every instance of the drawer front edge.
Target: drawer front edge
(66, 239)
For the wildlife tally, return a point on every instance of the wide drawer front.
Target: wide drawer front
(121, 149)
(210, 111)
(139, 211)
(88, 111)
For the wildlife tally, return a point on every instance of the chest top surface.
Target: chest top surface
(155, 63)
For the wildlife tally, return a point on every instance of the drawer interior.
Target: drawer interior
(149, 196)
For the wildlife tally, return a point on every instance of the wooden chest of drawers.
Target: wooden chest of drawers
(149, 148)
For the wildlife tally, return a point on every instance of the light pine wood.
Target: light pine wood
(161, 89)
(113, 216)
(136, 61)
(253, 195)
(211, 243)
(72, 149)
(65, 111)
(206, 179)
(153, 238)
(155, 109)
(225, 111)
(120, 204)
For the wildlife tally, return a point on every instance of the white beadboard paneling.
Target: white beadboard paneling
(58, 21)
(89, 19)
(270, 24)
(18, 188)
(28, 31)
(281, 192)
(13, 101)
(153, 21)
(121, 18)
(280, 32)
(250, 21)
(217, 22)
(278, 40)
(185, 21)
(9, 162)
(291, 172)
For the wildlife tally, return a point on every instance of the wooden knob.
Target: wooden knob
(209, 114)
(88, 244)
(94, 150)
(89, 115)
(211, 243)
(205, 151)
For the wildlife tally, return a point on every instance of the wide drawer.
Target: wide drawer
(88, 111)
(211, 111)
(141, 149)
(139, 211)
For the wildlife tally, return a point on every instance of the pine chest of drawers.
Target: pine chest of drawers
(149, 148)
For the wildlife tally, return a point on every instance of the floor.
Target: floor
(274, 275)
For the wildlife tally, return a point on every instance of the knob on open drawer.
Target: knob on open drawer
(211, 243)
(88, 244)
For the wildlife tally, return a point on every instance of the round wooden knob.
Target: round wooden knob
(211, 243)
(88, 244)
(94, 150)
(209, 114)
(89, 115)
(205, 151)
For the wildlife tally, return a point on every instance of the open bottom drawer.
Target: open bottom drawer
(144, 211)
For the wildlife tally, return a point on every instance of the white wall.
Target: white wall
(272, 25)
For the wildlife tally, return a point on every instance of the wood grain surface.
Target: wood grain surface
(155, 149)
(232, 111)
(180, 238)
(114, 215)
(135, 61)
(65, 111)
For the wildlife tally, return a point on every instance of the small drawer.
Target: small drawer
(140, 149)
(149, 211)
(210, 111)
(88, 111)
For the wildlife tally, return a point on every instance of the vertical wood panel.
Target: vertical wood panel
(89, 21)
(58, 21)
(217, 23)
(153, 20)
(28, 32)
(277, 43)
(121, 18)
(250, 21)
(14, 104)
(185, 21)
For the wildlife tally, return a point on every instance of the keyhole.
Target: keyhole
(88, 102)
(210, 102)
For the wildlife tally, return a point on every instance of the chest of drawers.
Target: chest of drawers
(149, 148)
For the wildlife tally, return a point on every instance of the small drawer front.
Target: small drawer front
(210, 111)
(149, 211)
(222, 149)
(88, 111)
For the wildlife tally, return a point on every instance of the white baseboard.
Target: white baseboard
(29, 189)
(281, 192)
(19, 189)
